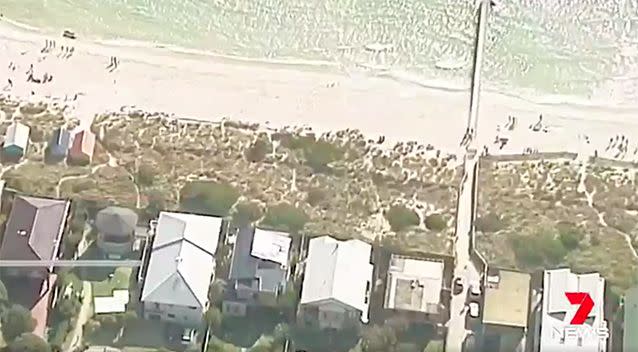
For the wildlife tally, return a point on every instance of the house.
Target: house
(337, 282)
(16, 140)
(630, 335)
(82, 147)
(557, 312)
(181, 268)
(116, 231)
(414, 289)
(58, 146)
(506, 309)
(34, 232)
(258, 271)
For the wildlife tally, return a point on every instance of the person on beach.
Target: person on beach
(30, 70)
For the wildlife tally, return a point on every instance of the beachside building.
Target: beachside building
(116, 231)
(630, 330)
(82, 147)
(335, 293)
(414, 289)
(16, 140)
(506, 310)
(258, 271)
(181, 268)
(59, 143)
(34, 232)
(557, 312)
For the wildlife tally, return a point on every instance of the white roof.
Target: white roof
(182, 260)
(426, 274)
(271, 245)
(338, 270)
(17, 134)
(112, 304)
(557, 312)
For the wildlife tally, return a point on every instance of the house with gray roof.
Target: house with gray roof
(116, 231)
(258, 271)
(181, 268)
(58, 145)
(335, 293)
(34, 232)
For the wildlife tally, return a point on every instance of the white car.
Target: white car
(188, 336)
(474, 309)
(475, 288)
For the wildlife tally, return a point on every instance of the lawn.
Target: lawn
(139, 334)
(119, 281)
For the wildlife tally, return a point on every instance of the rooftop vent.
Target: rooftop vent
(178, 260)
(22, 232)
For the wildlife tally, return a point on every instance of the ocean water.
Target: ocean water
(566, 49)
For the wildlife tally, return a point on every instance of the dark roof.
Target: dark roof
(33, 229)
(116, 221)
(244, 269)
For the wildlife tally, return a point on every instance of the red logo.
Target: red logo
(585, 306)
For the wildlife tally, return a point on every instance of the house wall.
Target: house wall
(184, 316)
(329, 315)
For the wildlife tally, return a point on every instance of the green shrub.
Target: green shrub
(540, 250)
(208, 198)
(145, 175)
(489, 223)
(285, 216)
(400, 218)
(316, 196)
(258, 150)
(435, 222)
(569, 236)
(247, 212)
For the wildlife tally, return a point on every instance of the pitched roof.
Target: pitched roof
(182, 260)
(83, 144)
(33, 229)
(260, 258)
(17, 134)
(338, 270)
(116, 221)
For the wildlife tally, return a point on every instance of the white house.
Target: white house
(557, 313)
(181, 268)
(336, 287)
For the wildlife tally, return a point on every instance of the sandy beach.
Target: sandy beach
(209, 88)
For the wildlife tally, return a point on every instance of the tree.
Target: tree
(208, 198)
(281, 333)
(247, 212)
(213, 318)
(569, 236)
(15, 321)
(216, 292)
(378, 339)
(320, 154)
(4, 295)
(435, 222)
(156, 203)
(285, 216)
(400, 218)
(489, 223)
(434, 346)
(28, 342)
(67, 308)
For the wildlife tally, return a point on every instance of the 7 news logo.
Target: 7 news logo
(577, 328)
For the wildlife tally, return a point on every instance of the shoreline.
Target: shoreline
(20, 29)
(278, 95)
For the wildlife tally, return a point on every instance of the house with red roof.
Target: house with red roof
(82, 147)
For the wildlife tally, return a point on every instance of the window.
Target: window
(193, 308)
(156, 305)
(172, 316)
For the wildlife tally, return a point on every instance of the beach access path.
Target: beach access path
(212, 88)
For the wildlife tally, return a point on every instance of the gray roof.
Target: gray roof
(182, 260)
(116, 221)
(34, 229)
(252, 271)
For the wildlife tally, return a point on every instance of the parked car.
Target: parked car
(188, 336)
(475, 288)
(474, 309)
(458, 285)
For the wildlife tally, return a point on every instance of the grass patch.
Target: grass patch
(119, 281)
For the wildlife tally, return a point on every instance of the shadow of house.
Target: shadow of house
(58, 146)
(16, 142)
(259, 270)
(82, 148)
(116, 231)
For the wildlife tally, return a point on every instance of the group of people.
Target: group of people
(114, 62)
